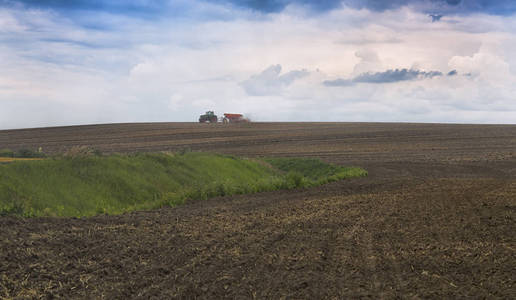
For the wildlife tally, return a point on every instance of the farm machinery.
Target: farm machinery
(208, 117)
(234, 118)
(211, 117)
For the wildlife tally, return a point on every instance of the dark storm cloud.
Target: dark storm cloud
(269, 6)
(157, 7)
(388, 76)
(436, 18)
(338, 82)
(498, 7)
(395, 75)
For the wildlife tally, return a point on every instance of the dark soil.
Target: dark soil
(435, 218)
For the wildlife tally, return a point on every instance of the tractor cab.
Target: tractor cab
(208, 117)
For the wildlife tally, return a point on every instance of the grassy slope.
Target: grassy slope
(89, 185)
(314, 171)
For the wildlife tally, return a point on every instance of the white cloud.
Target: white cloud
(486, 66)
(369, 62)
(55, 72)
(270, 82)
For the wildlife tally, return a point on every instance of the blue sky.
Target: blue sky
(157, 7)
(81, 62)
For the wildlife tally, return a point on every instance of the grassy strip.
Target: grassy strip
(312, 171)
(11, 159)
(90, 185)
(23, 153)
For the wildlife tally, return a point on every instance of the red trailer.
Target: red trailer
(234, 118)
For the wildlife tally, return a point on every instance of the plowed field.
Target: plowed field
(435, 218)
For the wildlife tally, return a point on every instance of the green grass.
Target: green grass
(22, 153)
(92, 184)
(312, 171)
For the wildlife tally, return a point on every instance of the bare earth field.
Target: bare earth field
(435, 218)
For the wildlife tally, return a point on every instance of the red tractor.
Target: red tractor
(234, 118)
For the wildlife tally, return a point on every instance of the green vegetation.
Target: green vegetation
(22, 153)
(314, 171)
(86, 184)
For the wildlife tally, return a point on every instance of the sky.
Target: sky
(108, 61)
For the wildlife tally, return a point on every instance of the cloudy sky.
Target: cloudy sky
(101, 61)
